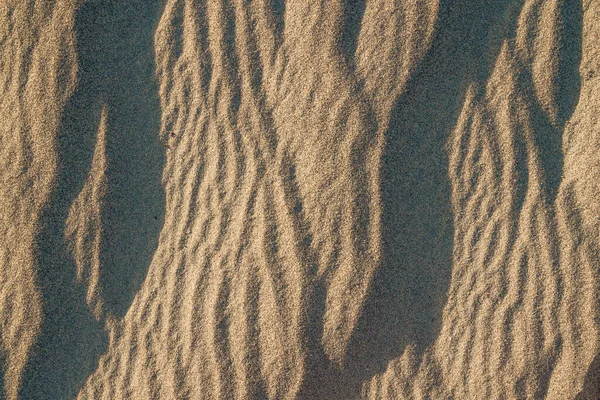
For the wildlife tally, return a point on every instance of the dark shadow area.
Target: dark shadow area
(548, 136)
(135, 201)
(408, 293)
(569, 59)
(278, 7)
(2, 374)
(591, 384)
(322, 379)
(230, 56)
(353, 15)
(116, 68)
(545, 368)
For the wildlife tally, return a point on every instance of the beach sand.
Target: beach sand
(301, 199)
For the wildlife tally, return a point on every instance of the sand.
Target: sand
(302, 199)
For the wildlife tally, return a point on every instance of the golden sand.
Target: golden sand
(301, 199)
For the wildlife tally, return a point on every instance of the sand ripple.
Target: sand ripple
(253, 199)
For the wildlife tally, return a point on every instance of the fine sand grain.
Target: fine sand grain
(299, 199)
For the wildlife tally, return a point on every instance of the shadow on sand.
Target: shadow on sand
(408, 293)
(116, 69)
(591, 384)
(405, 302)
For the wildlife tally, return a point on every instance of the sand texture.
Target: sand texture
(299, 199)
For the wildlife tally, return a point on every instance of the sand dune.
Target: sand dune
(251, 199)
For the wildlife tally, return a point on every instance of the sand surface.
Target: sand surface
(299, 199)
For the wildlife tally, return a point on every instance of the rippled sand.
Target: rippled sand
(301, 199)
